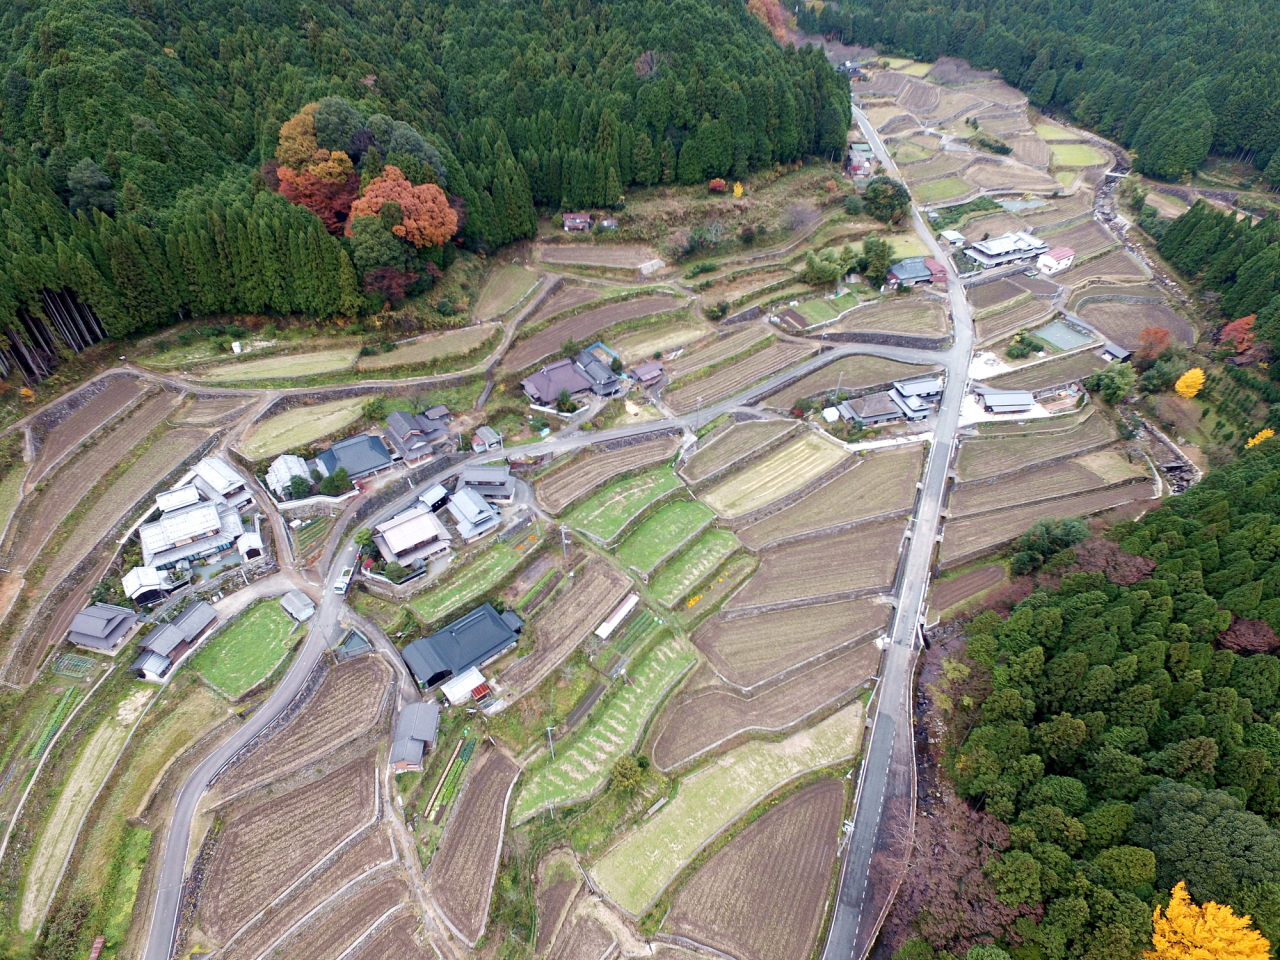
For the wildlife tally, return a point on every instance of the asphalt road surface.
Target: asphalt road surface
(886, 787)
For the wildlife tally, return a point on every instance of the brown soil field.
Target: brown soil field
(851, 373)
(552, 901)
(718, 349)
(430, 347)
(1114, 290)
(204, 412)
(856, 559)
(729, 446)
(884, 481)
(1059, 210)
(396, 942)
(564, 486)
(934, 167)
(561, 627)
(749, 650)
(889, 117)
(1000, 92)
(1030, 150)
(1123, 323)
(735, 377)
(162, 458)
(1039, 285)
(987, 295)
(949, 70)
(947, 593)
(993, 224)
(742, 286)
(612, 255)
(954, 103)
(1040, 376)
(711, 715)
(1010, 321)
(886, 84)
(969, 535)
(363, 856)
(762, 896)
(57, 497)
(345, 706)
(1009, 175)
(463, 868)
(1055, 480)
(105, 405)
(918, 97)
(340, 926)
(918, 317)
(584, 326)
(659, 337)
(1116, 265)
(585, 940)
(982, 457)
(1084, 238)
(566, 298)
(1005, 127)
(264, 849)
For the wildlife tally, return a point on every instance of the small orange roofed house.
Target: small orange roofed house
(1056, 260)
(576, 222)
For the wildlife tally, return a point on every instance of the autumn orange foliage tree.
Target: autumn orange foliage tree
(1209, 932)
(1239, 332)
(427, 219)
(770, 13)
(326, 185)
(298, 138)
(1152, 342)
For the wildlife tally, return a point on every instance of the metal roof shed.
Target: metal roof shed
(1008, 401)
(298, 605)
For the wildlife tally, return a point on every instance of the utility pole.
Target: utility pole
(551, 743)
(564, 543)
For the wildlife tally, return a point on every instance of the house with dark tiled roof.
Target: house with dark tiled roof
(102, 627)
(361, 455)
(545, 386)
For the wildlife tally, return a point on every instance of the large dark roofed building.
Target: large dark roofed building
(415, 435)
(470, 641)
(362, 455)
(544, 386)
(103, 627)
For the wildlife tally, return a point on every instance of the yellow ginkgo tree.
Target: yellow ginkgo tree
(1266, 433)
(1208, 932)
(737, 189)
(1190, 383)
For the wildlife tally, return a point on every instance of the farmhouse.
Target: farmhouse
(545, 386)
(576, 222)
(872, 409)
(416, 731)
(647, 373)
(103, 627)
(298, 605)
(168, 644)
(604, 382)
(929, 388)
(478, 638)
(913, 270)
(1006, 401)
(283, 469)
(202, 528)
(361, 455)
(215, 479)
(412, 537)
(493, 482)
(147, 585)
(414, 436)
(953, 237)
(860, 165)
(250, 546)
(1009, 248)
(1056, 260)
(486, 438)
(435, 497)
(473, 516)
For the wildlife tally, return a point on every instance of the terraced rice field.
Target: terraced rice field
(242, 655)
(662, 534)
(636, 870)
(969, 536)
(1075, 155)
(338, 927)
(982, 457)
(938, 166)
(947, 593)
(395, 941)
(433, 346)
(504, 288)
(686, 570)
(660, 338)
(575, 480)
(851, 374)
(859, 559)
(987, 296)
(1055, 480)
(1116, 265)
(92, 414)
(1050, 373)
(1102, 290)
(464, 866)
(762, 896)
(586, 939)
(822, 309)
(284, 366)
(1012, 320)
(916, 317)
(710, 716)
(297, 427)
(736, 376)
(210, 410)
(582, 765)
(1008, 176)
(560, 627)
(936, 191)
(1060, 210)
(722, 348)
(606, 513)
(782, 472)
(472, 580)
(584, 326)
(566, 298)
(604, 255)
(746, 651)
(884, 481)
(1085, 239)
(735, 442)
(1051, 131)
(1123, 323)
(1029, 150)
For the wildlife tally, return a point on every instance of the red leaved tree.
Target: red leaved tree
(327, 186)
(1239, 332)
(770, 13)
(1152, 342)
(428, 220)
(389, 283)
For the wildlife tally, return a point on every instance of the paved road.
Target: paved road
(886, 788)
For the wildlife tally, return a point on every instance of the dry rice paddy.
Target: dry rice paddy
(851, 374)
(915, 317)
(782, 472)
(297, 427)
(990, 456)
(736, 376)
(562, 487)
(433, 346)
(736, 442)
(279, 367)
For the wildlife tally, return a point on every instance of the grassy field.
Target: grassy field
(778, 474)
(905, 151)
(582, 765)
(663, 533)
(430, 347)
(637, 869)
(298, 426)
(1051, 131)
(936, 190)
(606, 513)
(822, 310)
(242, 655)
(660, 338)
(10, 489)
(1075, 155)
(503, 290)
(1066, 177)
(703, 555)
(473, 579)
(288, 365)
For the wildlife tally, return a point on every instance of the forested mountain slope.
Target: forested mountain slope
(1171, 79)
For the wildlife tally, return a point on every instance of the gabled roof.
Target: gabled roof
(924, 387)
(151, 662)
(649, 370)
(283, 469)
(597, 371)
(489, 435)
(411, 529)
(874, 405)
(141, 579)
(545, 385)
(489, 473)
(163, 639)
(178, 498)
(912, 268)
(102, 626)
(418, 721)
(297, 605)
(1060, 253)
(195, 619)
(361, 455)
(216, 472)
(467, 642)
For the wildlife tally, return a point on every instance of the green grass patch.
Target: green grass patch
(704, 555)
(822, 310)
(1051, 131)
(505, 287)
(606, 513)
(1075, 155)
(547, 706)
(126, 873)
(944, 189)
(663, 533)
(11, 490)
(473, 579)
(242, 655)
(583, 764)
